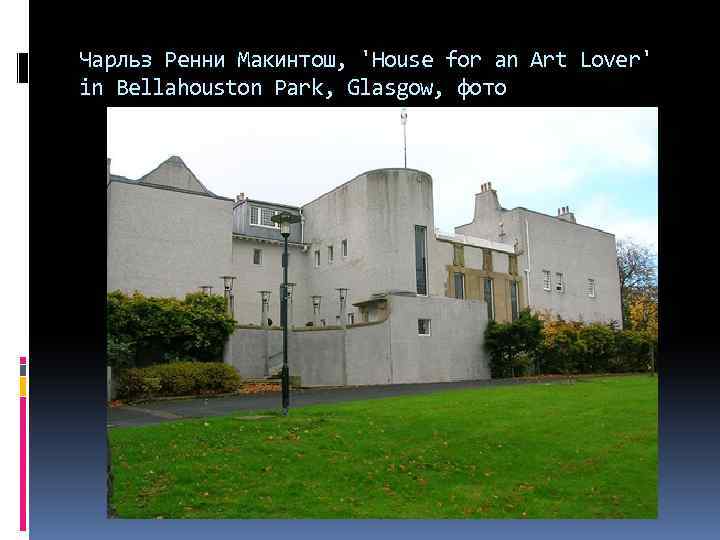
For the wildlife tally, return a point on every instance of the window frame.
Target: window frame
(331, 254)
(275, 226)
(491, 304)
(316, 258)
(547, 280)
(462, 283)
(592, 288)
(429, 327)
(344, 248)
(260, 259)
(417, 229)
(514, 306)
(559, 282)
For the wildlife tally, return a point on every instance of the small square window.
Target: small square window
(331, 254)
(317, 258)
(257, 256)
(423, 327)
(344, 248)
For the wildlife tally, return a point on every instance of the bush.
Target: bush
(177, 379)
(513, 346)
(143, 330)
(632, 352)
(599, 348)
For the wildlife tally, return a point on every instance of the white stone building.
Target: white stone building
(418, 300)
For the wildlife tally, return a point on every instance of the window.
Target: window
(512, 265)
(262, 217)
(514, 300)
(420, 260)
(591, 288)
(257, 256)
(331, 255)
(488, 296)
(423, 327)
(546, 280)
(459, 283)
(559, 284)
(487, 260)
(317, 258)
(351, 318)
(458, 255)
(343, 248)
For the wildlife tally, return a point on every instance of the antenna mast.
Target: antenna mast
(403, 120)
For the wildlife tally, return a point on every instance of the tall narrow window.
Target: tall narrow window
(559, 282)
(487, 260)
(458, 255)
(331, 255)
(257, 256)
(512, 265)
(514, 299)
(254, 215)
(317, 258)
(459, 284)
(488, 296)
(591, 288)
(420, 260)
(343, 248)
(423, 327)
(546, 280)
(351, 318)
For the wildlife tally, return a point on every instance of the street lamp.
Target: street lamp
(342, 291)
(229, 298)
(316, 309)
(284, 219)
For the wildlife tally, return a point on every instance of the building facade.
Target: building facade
(416, 300)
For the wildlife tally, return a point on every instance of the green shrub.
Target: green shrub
(599, 348)
(177, 379)
(632, 352)
(513, 347)
(165, 329)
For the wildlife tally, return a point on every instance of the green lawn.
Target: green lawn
(583, 450)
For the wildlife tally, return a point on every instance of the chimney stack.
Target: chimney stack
(240, 197)
(565, 214)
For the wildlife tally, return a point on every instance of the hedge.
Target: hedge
(532, 346)
(177, 379)
(144, 330)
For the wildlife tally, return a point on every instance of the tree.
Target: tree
(637, 268)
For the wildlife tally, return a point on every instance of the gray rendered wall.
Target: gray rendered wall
(376, 212)
(454, 350)
(579, 252)
(166, 243)
(268, 276)
(368, 355)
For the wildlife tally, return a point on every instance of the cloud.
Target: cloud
(604, 213)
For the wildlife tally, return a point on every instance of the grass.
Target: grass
(583, 450)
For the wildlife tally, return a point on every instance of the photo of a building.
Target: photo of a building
(379, 295)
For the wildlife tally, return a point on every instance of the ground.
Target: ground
(564, 450)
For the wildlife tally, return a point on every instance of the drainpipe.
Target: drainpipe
(529, 266)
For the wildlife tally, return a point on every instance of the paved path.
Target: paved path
(163, 411)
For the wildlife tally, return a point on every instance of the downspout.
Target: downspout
(529, 266)
(302, 227)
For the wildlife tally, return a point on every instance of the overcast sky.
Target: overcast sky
(601, 162)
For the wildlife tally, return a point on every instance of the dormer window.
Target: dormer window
(262, 217)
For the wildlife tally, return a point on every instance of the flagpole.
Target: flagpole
(403, 120)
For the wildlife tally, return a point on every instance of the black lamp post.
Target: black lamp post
(284, 219)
